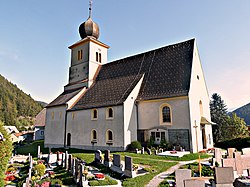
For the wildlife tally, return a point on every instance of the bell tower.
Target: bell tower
(87, 55)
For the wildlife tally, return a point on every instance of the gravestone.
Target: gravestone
(31, 166)
(224, 175)
(80, 175)
(218, 155)
(38, 152)
(142, 150)
(246, 151)
(238, 163)
(66, 160)
(230, 152)
(70, 161)
(128, 167)
(73, 166)
(194, 183)
(229, 162)
(62, 159)
(117, 160)
(246, 161)
(181, 175)
(155, 152)
(116, 163)
(76, 169)
(106, 157)
(98, 154)
(149, 151)
(57, 156)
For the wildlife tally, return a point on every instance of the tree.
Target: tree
(219, 116)
(235, 128)
(5, 152)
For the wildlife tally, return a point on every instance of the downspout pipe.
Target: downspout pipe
(65, 126)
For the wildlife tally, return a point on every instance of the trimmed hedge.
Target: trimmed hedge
(238, 143)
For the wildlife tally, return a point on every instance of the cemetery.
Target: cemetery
(216, 167)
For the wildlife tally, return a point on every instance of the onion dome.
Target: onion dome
(89, 28)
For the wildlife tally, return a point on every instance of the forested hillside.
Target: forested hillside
(16, 107)
(244, 112)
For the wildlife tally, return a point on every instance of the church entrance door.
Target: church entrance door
(204, 140)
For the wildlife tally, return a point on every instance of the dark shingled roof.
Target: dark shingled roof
(64, 97)
(166, 71)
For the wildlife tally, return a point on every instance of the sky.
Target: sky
(35, 35)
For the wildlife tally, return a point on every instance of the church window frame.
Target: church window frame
(100, 58)
(201, 108)
(109, 136)
(94, 114)
(53, 115)
(93, 136)
(165, 114)
(73, 115)
(109, 113)
(96, 56)
(79, 54)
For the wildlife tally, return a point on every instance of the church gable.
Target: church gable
(166, 73)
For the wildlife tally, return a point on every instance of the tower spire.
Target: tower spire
(90, 8)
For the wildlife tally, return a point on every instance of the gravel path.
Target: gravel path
(161, 176)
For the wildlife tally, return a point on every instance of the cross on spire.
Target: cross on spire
(90, 8)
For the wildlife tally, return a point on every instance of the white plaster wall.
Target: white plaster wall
(149, 113)
(73, 101)
(198, 92)
(93, 65)
(54, 128)
(130, 115)
(80, 128)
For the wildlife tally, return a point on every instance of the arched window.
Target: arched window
(201, 108)
(109, 113)
(93, 136)
(94, 114)
(165, 114)
(109, 136)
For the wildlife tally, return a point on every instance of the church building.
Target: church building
(159, 95)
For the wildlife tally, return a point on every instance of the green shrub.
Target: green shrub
(94, 183)
(164, 184)
(56, 181)
(207, 171)
(239, 143)
(164, 144)
(40, 169)
(151, 142)
(134, 145)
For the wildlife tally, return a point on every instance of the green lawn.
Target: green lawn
(188, 157)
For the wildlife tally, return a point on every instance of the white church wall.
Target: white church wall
(80, 125)
(149, 113)
(130, 115)
(55, 125)
(198, 92)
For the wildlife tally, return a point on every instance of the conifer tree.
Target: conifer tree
(219, 116)
(5, 152)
